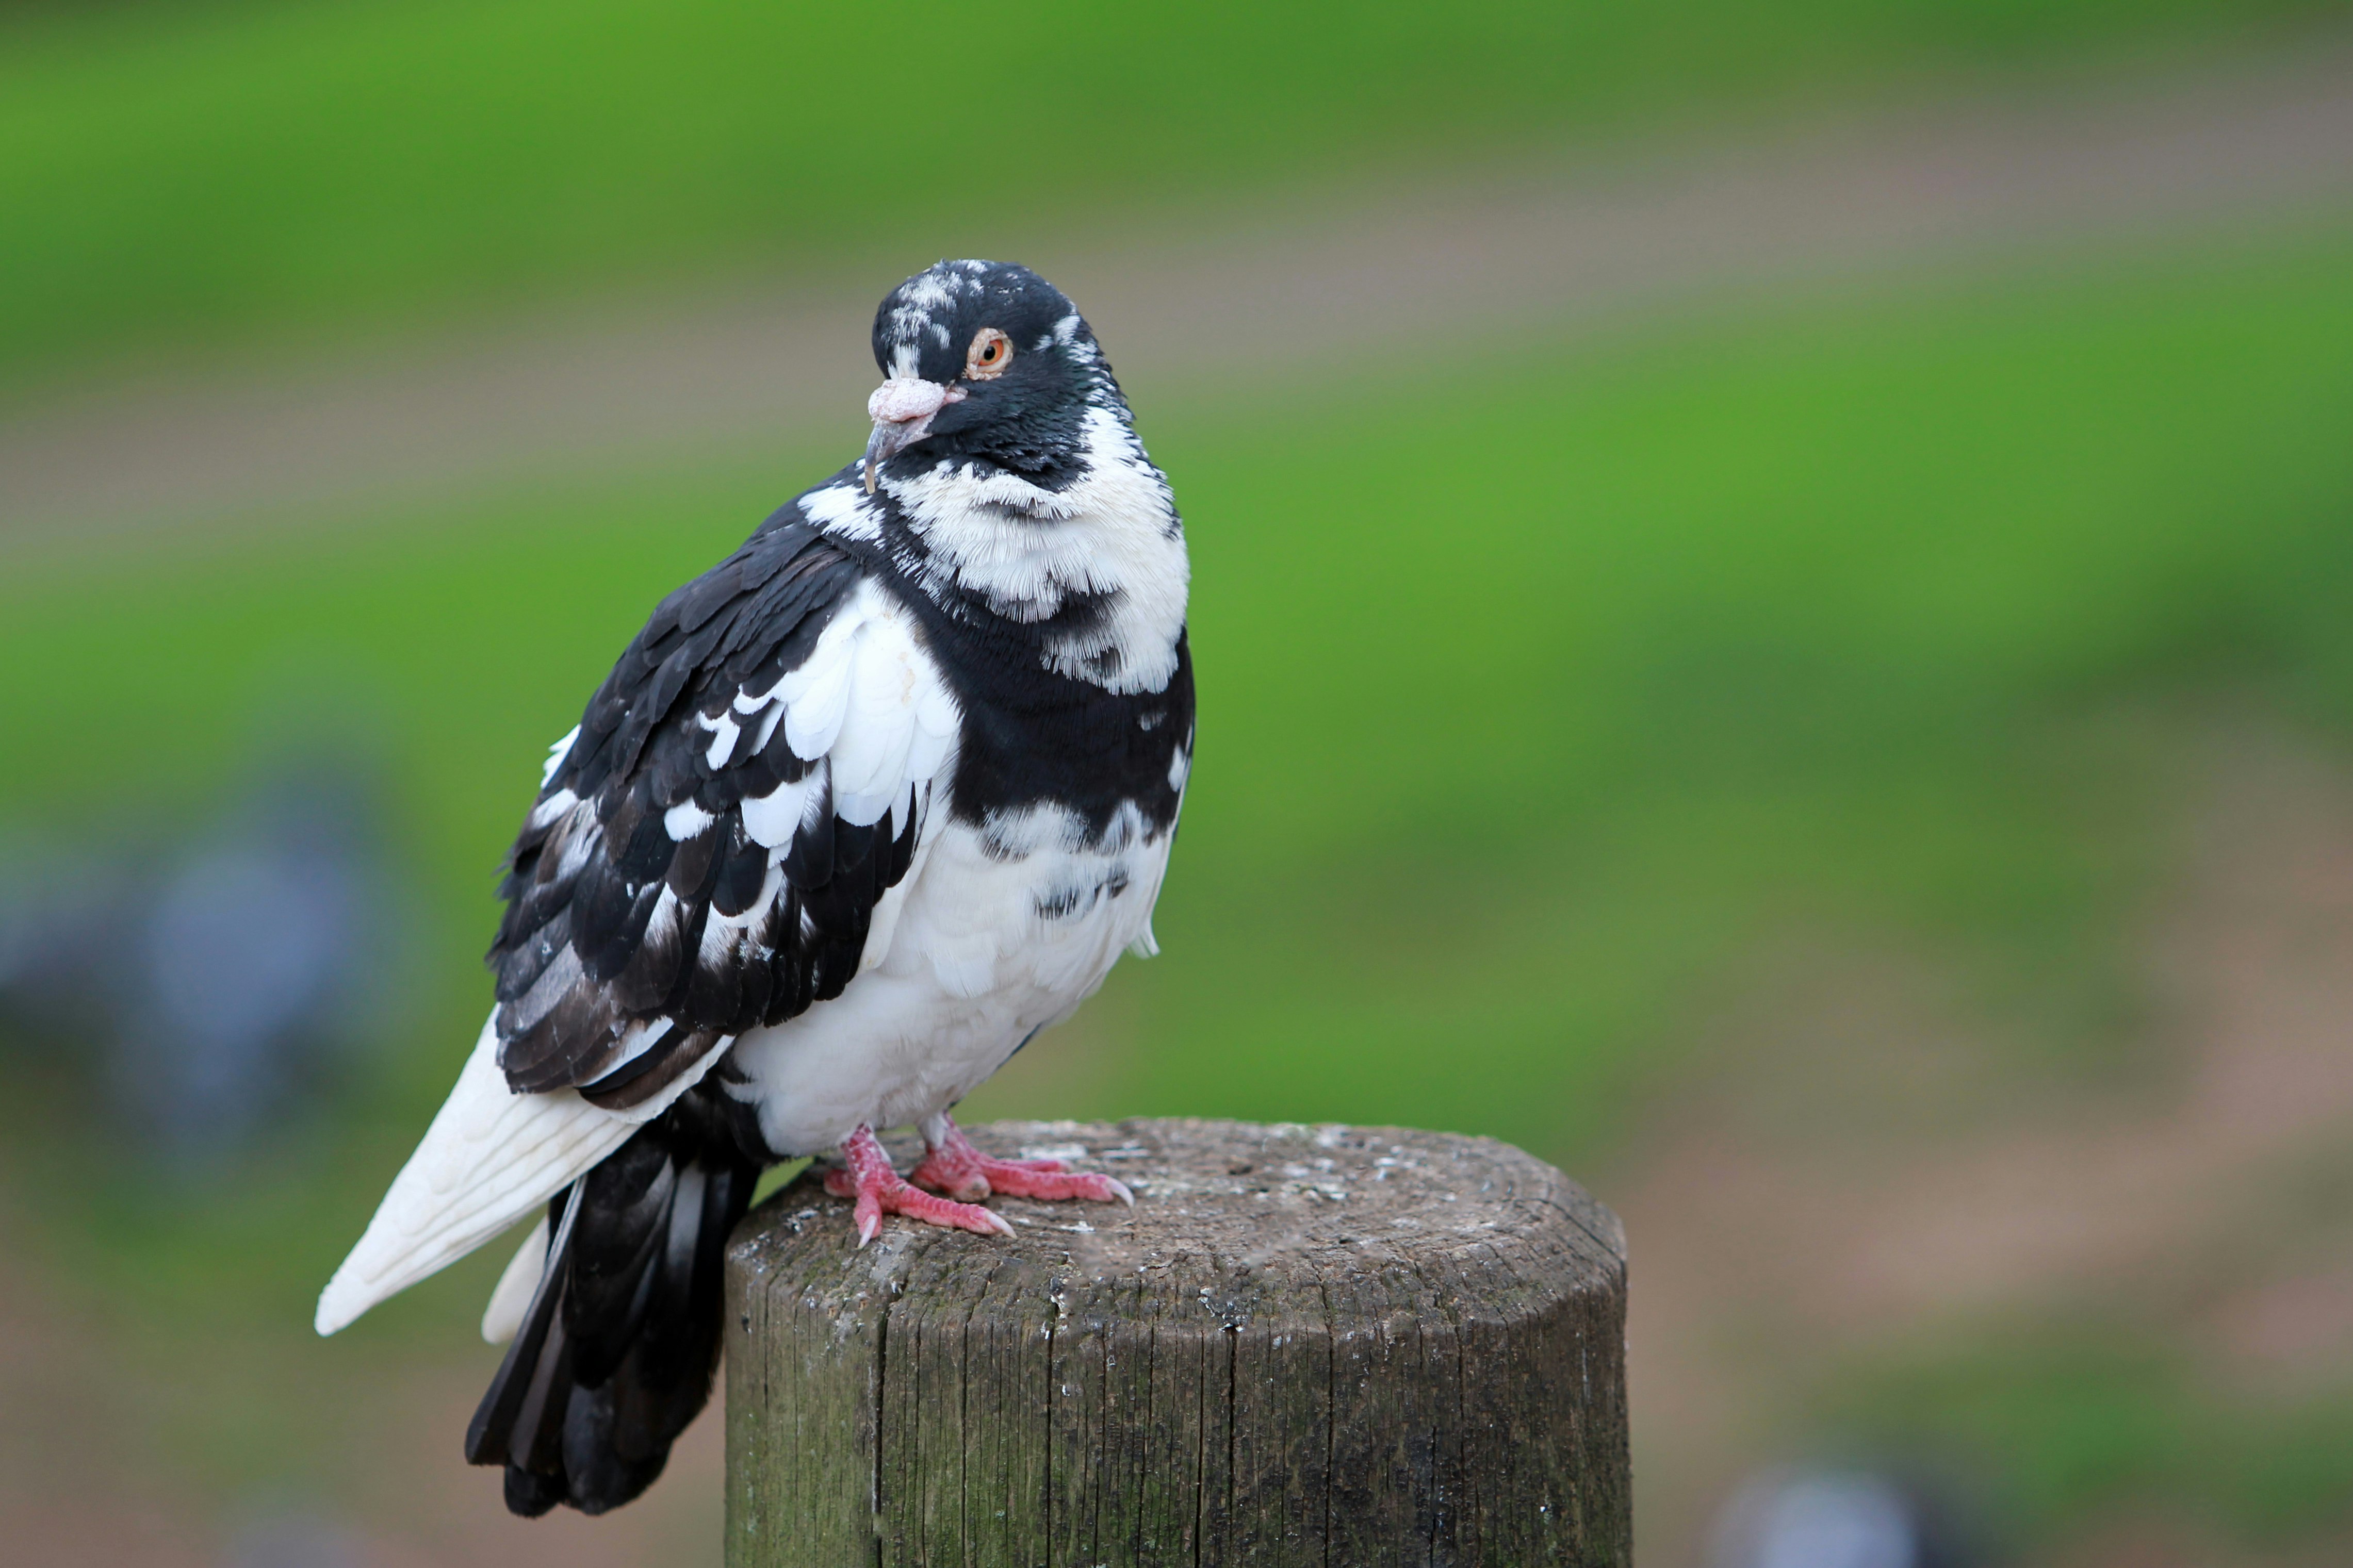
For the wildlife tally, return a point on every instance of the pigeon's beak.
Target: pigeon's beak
(902, 409)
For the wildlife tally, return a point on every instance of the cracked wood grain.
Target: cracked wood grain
(1337, 1347)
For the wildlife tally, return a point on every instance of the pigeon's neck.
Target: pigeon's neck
(1090, 574)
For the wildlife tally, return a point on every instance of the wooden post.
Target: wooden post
(1347, 1347)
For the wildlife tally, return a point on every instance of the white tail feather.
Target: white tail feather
(502, 1319)
(490, 1158)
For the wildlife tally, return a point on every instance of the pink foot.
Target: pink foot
(868, 1178)
(955, 1167)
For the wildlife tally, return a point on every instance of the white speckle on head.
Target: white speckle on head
(918, 304)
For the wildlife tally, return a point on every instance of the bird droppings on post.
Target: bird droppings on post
(1244, 1368)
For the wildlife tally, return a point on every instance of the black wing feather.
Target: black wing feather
(608, 930)
(616, 1354)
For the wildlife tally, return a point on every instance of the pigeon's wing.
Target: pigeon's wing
(710, 851)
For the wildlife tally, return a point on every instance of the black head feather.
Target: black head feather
(1030, 417)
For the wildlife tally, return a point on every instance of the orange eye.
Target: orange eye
(990, 352)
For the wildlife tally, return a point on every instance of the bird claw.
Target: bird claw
(957, 1169)
(891, 1195)
(1019, 1180)
(961, 1175)
(879, 1190)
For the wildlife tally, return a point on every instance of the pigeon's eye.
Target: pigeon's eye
(990, 352)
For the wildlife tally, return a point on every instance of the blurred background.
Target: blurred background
(1774, 606)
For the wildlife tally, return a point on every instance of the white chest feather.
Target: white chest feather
(995, 933)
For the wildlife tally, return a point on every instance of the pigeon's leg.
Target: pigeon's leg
(955, 1167)
(868, 1177)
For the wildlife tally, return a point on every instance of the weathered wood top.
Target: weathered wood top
(1304, 1344)
(1261, 1219)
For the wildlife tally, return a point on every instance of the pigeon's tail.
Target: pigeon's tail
(614, 1354)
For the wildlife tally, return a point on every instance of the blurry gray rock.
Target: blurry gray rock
(1835, 1518)
(294, 1541)
(208, 984)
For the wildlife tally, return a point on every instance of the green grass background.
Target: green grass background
(1533, 690)
(1539, 685)
(1524, 682)
(260, 171)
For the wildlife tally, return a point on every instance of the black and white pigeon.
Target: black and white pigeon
(862, 809)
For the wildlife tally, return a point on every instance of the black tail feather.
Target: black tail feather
(616, 1355)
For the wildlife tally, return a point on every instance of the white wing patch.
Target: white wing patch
(776, 817)
(686, 820)
(867, 707)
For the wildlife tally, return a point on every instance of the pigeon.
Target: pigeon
(862, 810)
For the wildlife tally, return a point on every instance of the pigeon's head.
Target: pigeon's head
(985, 360)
